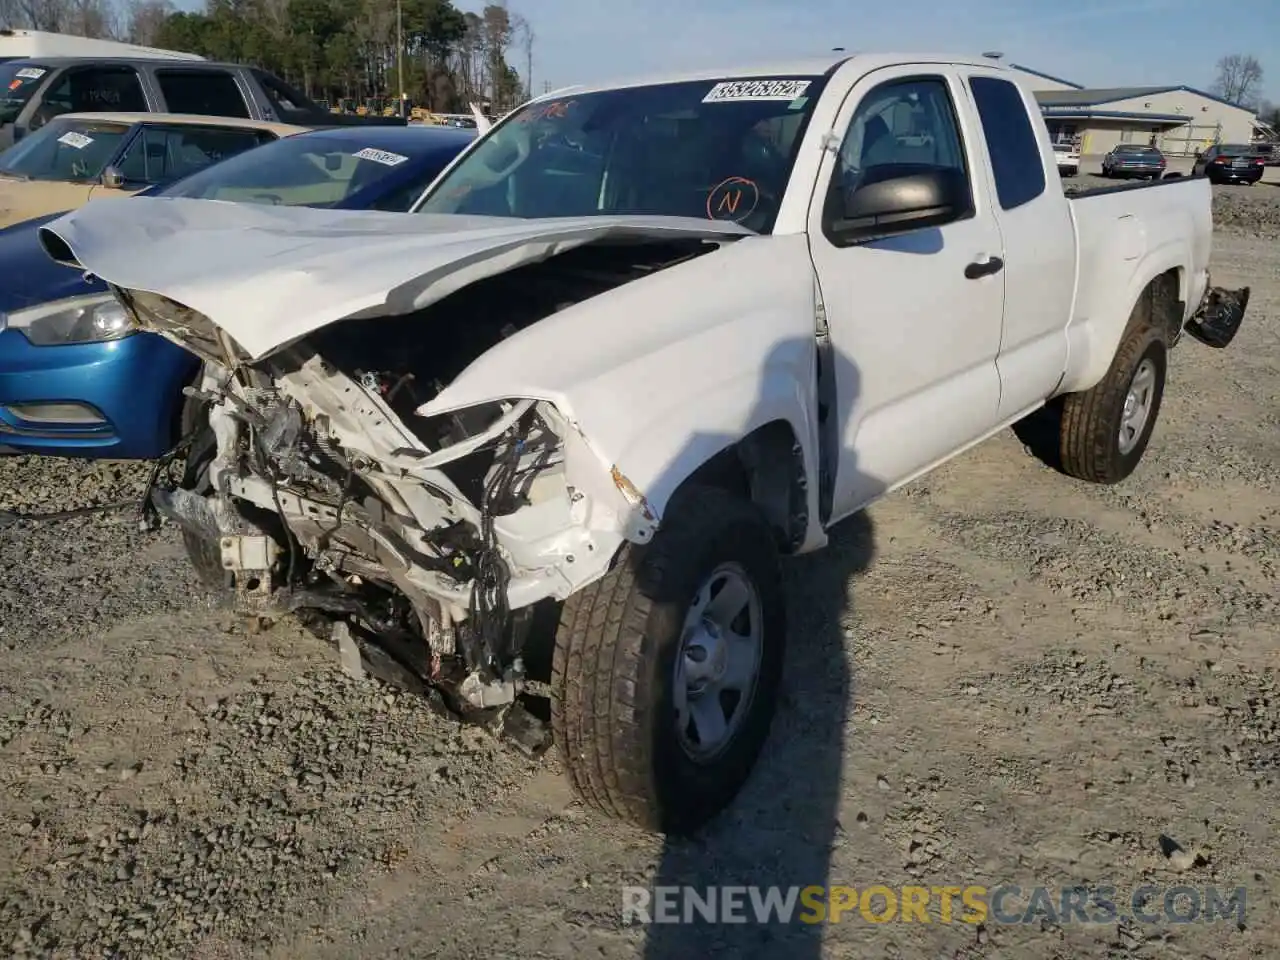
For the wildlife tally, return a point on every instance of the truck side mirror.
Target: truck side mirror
(112, 178)
(898, 198)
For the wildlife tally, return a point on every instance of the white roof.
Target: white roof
(797, 67)
(29, 44)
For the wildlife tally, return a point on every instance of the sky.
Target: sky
(1095, 43)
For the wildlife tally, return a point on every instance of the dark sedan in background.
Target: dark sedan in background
(1134, 160)
(1231, 163)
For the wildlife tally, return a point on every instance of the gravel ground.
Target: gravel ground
(997, 676)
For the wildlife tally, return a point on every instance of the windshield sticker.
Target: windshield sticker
(731, 91)
(76, 140)
(380, 156)
(30, 73)
(555, 110)
(734, 199)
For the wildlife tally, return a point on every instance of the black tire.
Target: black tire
(613, 671)
(205, 555)
(1089, 437)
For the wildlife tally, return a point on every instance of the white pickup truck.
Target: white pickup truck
(637, 343)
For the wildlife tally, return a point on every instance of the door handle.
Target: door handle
(983, 268)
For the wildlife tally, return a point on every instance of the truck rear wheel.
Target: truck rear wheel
(1105, 430)
(666, 671)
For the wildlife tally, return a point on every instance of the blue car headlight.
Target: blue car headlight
(96, 318)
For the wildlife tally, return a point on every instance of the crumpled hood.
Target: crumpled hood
(269, 275)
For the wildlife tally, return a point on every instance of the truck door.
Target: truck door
(1038, 241)
(913, 313)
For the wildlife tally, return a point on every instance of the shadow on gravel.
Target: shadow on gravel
(1040, 431)
(778, 835)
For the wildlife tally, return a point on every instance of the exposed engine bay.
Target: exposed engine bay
(327, 489)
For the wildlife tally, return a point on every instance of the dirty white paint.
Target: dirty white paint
(651, 379)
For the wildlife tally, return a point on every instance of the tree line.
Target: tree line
(1239, 81)
(328, 48)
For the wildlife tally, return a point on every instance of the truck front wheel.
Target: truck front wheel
(1105, 430)
(666, 670)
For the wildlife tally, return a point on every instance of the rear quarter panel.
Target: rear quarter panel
(1127, 238)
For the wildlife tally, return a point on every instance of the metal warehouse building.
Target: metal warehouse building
(1180, 120)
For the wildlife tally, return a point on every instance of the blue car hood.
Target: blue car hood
(30, 277)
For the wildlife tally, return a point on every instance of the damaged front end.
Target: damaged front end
(329, 489)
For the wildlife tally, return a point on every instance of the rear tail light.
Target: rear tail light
(1259, 161)
(1221, 160)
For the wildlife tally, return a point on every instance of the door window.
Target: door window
(902, 126)
(94, 90)
(1011, 141)
(210, 93)
(161, 154)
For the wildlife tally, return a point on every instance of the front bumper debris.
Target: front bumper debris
(1218, 317)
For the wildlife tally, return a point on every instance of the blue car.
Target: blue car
(75, 383)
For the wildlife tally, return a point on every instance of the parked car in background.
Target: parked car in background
(34, 91)
(74, 382)
(1068, 158)
(1230, 163)
(1134, 160)
(80, 157)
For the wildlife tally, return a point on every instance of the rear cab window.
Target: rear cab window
(211, 93)
(167, 152)
(1011, 140)
(75, 150)
(19, 80)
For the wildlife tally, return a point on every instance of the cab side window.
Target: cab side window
(94, 90)
(1011, 141)
(903, 127)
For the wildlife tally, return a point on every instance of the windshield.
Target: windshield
(65, 150)
(308, 171)
(18, 81)
(1239, 149)
(1136, 148)
(707, 149)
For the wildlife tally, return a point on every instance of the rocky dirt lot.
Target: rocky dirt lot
(998, 676)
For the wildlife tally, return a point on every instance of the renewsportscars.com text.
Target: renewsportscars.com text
(971, 904)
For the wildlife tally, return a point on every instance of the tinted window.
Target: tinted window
(66, 150)
(166, 153)
(18, 81)
(284, 98)
(210, 93)
(1011, 141)
(94, 90)
(713, 150)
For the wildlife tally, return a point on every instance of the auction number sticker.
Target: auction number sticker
(380, 156)
(29, 73)
(731, 91)
(76, 140)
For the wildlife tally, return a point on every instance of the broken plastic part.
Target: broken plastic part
(1218, 319)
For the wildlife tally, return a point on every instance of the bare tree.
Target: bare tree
(1239, 79)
